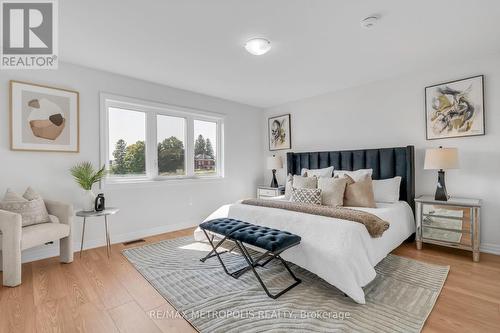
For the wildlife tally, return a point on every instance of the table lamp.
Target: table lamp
(441, 159)
(273, 163)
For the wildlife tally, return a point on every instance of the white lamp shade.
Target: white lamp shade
(441, 158)
(274, 162)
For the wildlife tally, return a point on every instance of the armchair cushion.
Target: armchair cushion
(39, 234)
(31, 207)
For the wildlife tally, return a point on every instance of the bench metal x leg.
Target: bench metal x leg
(252, 264)
(214, 253)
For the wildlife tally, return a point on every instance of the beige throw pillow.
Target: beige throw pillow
(360, 193)
(32, 211)
(332, 191)
(299, 182)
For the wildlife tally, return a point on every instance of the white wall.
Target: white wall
(391, 113)
(145, 210)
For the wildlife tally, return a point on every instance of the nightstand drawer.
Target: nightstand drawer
(447, 212)
(268, 193)
(457, 237)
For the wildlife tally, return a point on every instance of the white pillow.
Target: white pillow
(31, 207)
(325, 172)
(387, 190)
(356, 175)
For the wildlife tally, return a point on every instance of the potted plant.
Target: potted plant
(86, 176)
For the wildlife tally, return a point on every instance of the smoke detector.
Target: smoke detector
(369, 22)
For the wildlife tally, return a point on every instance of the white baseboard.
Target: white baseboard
(52, 250)
(490, 248)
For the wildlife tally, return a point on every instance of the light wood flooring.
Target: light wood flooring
(94, 294)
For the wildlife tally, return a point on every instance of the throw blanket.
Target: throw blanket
(375, 225)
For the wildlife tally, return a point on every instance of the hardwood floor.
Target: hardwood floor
(94, 294)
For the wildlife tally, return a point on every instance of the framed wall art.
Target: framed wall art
(455, 109)
(279, 132)
(43, 118)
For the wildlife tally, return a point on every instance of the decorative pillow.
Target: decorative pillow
(325, 172)
(306, 195)
(359, 194)
(32, 211)
(356, 175)
(332, 191)
(299, 182)
(288, 186)
(31, 194)
(387, 190)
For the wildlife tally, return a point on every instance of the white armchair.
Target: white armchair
(14, 238)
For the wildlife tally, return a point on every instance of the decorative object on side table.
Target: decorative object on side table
(43, 118)
(455, 109)
(453, 223)
(86, 176)
(274, 162)
(441, 159)
(264, 191)
(105, 213)
(279, 132)
(99, 203)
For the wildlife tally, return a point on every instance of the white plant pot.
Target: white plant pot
(88, 200)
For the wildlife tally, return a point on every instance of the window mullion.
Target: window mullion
(189, 146)
(151, 150)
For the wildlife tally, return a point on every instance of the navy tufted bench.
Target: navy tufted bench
(273, 241)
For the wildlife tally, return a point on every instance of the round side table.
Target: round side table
(105, 213)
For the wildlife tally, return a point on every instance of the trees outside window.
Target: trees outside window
(145, 140)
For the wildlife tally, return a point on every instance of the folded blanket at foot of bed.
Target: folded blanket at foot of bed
(375, 225)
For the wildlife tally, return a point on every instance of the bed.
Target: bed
(339, 251)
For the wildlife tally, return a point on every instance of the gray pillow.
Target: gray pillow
(332, 191)
(307, 195)
(32, 211)
(299, 182)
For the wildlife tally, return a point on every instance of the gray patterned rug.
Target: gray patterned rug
(398, 300)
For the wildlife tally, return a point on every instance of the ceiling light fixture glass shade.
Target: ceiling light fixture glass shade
(258, 46)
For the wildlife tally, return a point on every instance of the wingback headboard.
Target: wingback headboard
(385, 162)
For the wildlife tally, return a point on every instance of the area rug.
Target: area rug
(399, 299)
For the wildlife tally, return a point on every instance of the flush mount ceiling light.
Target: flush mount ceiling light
(258, 46)
(369, 21)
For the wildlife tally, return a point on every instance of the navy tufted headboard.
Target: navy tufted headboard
(385, 162)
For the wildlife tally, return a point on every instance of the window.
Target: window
(171, 134)
(205, 147)
(127, 137)
(146, 141)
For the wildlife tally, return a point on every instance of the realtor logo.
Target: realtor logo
(29, 34)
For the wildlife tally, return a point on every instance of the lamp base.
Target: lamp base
(441, 193)
(274, 182)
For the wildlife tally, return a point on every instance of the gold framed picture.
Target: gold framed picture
(43, 118)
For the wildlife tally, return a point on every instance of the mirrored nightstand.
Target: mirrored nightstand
(452, 223)
(264, 191)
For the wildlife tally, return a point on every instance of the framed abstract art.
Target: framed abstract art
(455, 109)
(279, 132)
(43, 118)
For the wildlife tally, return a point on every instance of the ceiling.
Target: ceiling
(318, 46)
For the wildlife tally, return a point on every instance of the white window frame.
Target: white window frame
(152, 109)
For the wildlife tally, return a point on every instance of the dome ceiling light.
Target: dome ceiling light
(258, 46)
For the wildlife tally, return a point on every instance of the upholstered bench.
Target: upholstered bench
(272, 241)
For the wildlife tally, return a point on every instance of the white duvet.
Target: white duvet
(339, 251)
